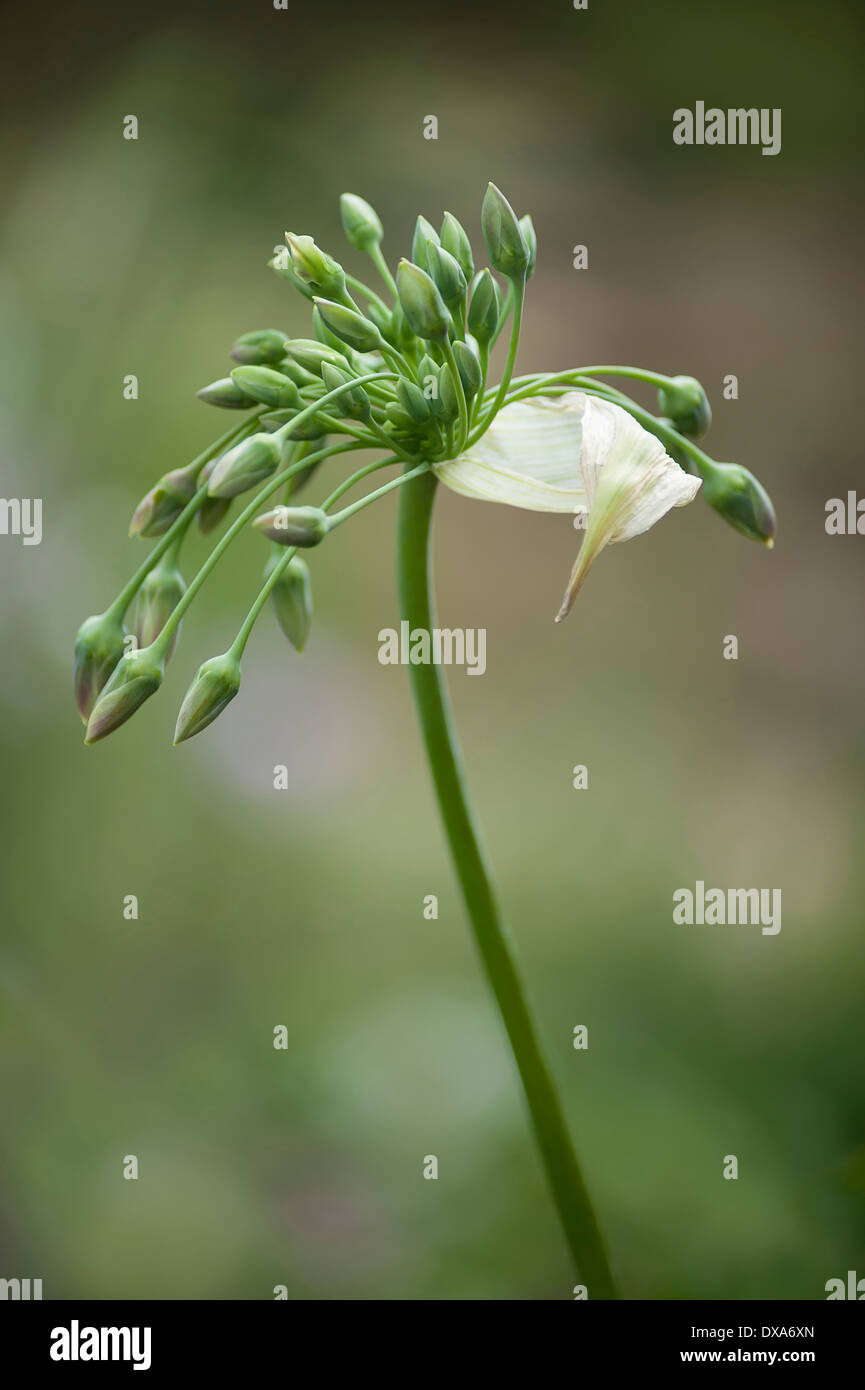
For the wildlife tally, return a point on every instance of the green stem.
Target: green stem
(381, 265)
(434, 713)
(461, 395)
(519, 288)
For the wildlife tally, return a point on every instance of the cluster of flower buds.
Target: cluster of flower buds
(403, 371)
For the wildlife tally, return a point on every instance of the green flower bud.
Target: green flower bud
(448, 398)
(211, 513)
(226, 394)
(99, 646)
(530, 236)
(303, 526)
(214, 687)
(264, 347)
(421, 302)
(314, 268)
(687, 405)
(401, 333)
(455, 240)
(268, 386)
(349, 326)
(361, 223)
(134, 679)
(401, 419)
(506, 245)
(424, 232)
(354, 402)
(296, 373)
(428, 379)
(162, 505)
(284, 268)
(291, 596)
(469, 368)
(159, 595)
(413, 400)
(248, 463)
(485, 309)
(309, 354)
(446, 274)
(741, 500)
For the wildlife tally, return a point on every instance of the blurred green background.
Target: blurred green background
(258, 907)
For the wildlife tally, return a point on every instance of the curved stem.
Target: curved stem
(434, 714)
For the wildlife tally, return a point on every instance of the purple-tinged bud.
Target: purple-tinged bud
(162, 505)
(740, 499)
(211, 512)
(136, 677)
(303, 526)
(248, 463)
(99, 645)
(214, 687)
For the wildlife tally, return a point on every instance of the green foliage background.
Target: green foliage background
(258, 907)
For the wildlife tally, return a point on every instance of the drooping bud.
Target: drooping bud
(268, 386)
(159, 595)
(423, 232)
(413, 400)
(303, 526)
(99, 646)
(309, 354)
(455, 240)
(349, 326)
(506, 245)
(740, 499)
(318, 271)
(263, 347)
(361, 223)
(421, 302)
(226, 394)
(354, 401)
(211, 513)
(291, 596)
(687, 405)
(469, 369)
(134, 679)
(445, 272)
(485, 309)
(162, 505)
(248, 463)
(214, 687)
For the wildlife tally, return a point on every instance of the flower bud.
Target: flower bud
(354, 401)
(448, 397)
(421, 302)
(740, 499)
(160, 593)
(264, 347)
(506, 245)
(248, 463)
(99, 646)
(134, 679)
(446, 274)
(214, 687)
(226, 394)
(267, 386)
(162, 505)
(211, 513)
(413, 400)
(428, 378)
(361, 223)
(303, 526)
(314, 268)
(485, 308)
(349, 326)
(291, 596)
(527, 227)
(455, 240)
(469, 368)
(687, 405)
(309, 354)
(402, 421)
(424, 232)
(296, 373)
